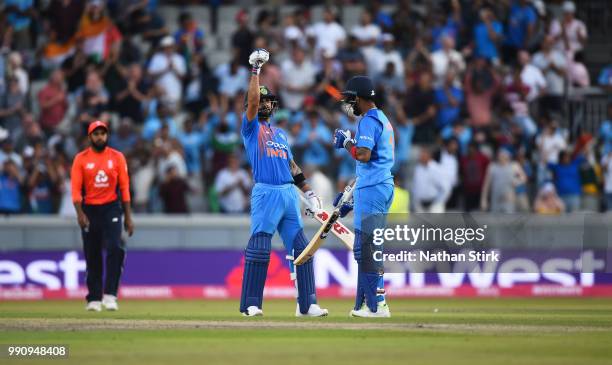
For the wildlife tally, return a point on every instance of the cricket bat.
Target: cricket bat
(344, 234)
(328, 225)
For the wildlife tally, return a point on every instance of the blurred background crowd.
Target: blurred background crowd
(479, 93)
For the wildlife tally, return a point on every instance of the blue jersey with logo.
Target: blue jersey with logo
(268, 152)
(375, 133)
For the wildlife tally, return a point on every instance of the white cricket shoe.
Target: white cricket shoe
(313, 311)
(253, 311)
(94, 306)
(381, 312)
(110, 302)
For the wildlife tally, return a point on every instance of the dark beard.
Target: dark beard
(356, 110)
(100, 147)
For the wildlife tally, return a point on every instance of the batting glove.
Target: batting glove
(257, 59)
(314, 204)
(341, 138)
(346, 207)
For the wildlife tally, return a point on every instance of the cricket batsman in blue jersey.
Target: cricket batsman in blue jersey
(373, 149)
(274, 200)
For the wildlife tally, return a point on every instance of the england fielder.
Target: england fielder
(373, 148)
(274, 200)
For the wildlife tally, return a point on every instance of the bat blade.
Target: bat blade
(317, 240)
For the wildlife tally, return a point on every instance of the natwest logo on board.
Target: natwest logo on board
(50, 274)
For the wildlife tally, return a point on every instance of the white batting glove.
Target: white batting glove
(257, 59)
(314, 205)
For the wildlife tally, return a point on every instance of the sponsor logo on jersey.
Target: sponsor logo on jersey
(101, 179)
(275, 149)
(90, 166)
(110, 164)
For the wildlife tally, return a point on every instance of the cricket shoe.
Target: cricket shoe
(253, 311)
(313, 311)
(110, 302)
(381, 312)
(94, 306)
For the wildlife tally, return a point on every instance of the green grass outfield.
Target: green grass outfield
(422, 331)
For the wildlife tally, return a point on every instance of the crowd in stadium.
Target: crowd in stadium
(475, 91)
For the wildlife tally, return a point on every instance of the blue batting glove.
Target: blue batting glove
(337, 199)
(341, 137)
(346, 208)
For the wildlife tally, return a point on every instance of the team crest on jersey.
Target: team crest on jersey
(101, 179)
(110, 164)
(90, 166)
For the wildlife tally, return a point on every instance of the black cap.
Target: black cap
(361, 86)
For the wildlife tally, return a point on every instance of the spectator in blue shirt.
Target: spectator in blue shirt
(605, 132)
(154, 122)
(10, 188)
(192, 139)
(19, 16)
(566, 176)
(487, 34)
(449, 98)
(189, 38)
(125, 138)
(316, 138)
(521, 26)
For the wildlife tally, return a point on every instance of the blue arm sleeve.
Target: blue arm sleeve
(368, 132)
(248, 126)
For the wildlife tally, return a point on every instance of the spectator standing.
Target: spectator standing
(243, 38)
(189, 38)
(168, 68)
(136, 91)
(481, 84)
(553, 64)
(53, 102)
(569, 33)
(566, 176)
(298, 75)
(445, 59)
(521, 26)
(429, 191)
(233, 185)
(473, 171)
(487, 35)
(328, 34)
(500, 181)
(12, 107)
(173, 191)
(449, 100)
(11, 182)
(97, 31)
(420, 108)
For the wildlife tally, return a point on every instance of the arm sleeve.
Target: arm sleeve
(368, 132)
(124, 179)
(76, 180)
(248, 126)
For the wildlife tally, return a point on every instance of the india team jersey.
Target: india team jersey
(375, 133)
(98, 175)
(268, 152)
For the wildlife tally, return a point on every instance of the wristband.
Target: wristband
(354, 152)
(299, 179)
(255, 70)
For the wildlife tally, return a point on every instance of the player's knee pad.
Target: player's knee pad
(259, 247)
(304, 275)
(256, 260)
